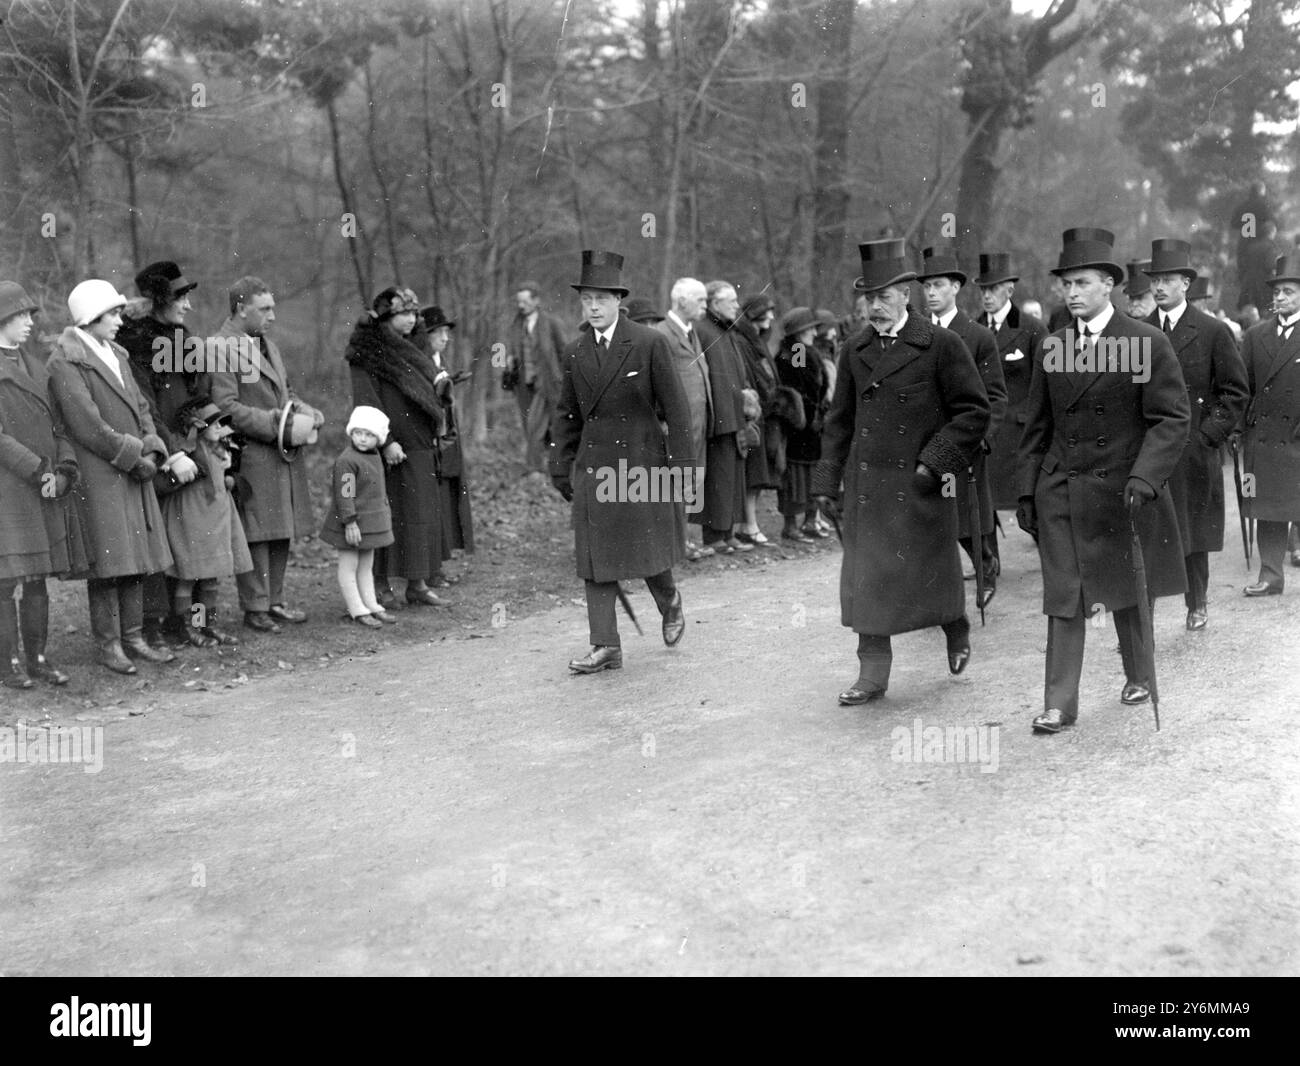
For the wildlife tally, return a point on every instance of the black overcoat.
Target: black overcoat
(1018, 340)
(1272, 422)
(984, 349)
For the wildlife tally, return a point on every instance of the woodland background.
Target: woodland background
(335, 147)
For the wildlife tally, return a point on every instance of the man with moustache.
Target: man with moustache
(618, 385)
(1100, 441)
(1217, 394)
(942, 280)
(1271, 353)
(1018, 336)
(1140, 302)
(909, 411)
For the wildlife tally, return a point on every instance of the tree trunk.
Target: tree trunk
(831, 198)
(979, 178)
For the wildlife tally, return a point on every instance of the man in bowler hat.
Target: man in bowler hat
(907, 417)
(613, 461)
(1106, 421)
(1216, 393)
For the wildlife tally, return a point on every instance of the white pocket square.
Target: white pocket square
(1017, 354)
(633, 373)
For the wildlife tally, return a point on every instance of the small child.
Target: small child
(203, 527)
(359, 520)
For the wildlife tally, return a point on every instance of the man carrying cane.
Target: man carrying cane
(1106, 421)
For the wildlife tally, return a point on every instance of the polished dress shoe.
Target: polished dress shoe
(1197, 618)
(198, 639)
(1133, 694)
(261, 621)
(601, 657)
(369, 621)
(42, 669)
(674, 621)
(112, 656)
(425, 597)
(1262, 588)
(987, 598)
(384, 617)
(958, 655)
(281, 613)
(1052, 721)
(138, 648)
(860, 693)
(15, 676)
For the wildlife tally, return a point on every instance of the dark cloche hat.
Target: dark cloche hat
(163, 280)
(14, 301)
(642, 309)
(433, 317)
(602, 270)
(758, 305)
(796, 320)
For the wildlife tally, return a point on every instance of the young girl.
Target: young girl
(360, 520)
(203, 528)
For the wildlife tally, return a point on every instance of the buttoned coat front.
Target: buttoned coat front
(1086, 432)
(919, 401)
(606, 432)
(111, 430)
(1018, 340)
(1272, 422)
(274, 497)
(1216, 395)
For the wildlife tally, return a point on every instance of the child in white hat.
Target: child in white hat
(359, 520)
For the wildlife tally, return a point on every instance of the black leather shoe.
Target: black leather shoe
(987, 598)
(858, 694)
(43, 670)
(1197, 618)
(281, 613)
(425, 597)
(15, 677)
(674, 621)
(197, 638)
(261, 621)
(1262, 588)
(137, 647)
(958, 654)
(1052, 721)
(602, 657)
(1133, 694)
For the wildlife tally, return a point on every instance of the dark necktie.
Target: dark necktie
(1168, 327)
(991, 323)
(602, 346)
(1284, 331)
(1084, 337)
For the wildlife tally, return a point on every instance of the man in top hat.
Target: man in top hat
(942, 280)
(1217, 394)
(535, 340)
(907, 418)
(1018, 336)
(1106, 421)
(1271, 353)
(1137, 288)
(612, 459)
(273, 498)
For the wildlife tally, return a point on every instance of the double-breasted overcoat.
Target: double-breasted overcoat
(1272, 422)
(1018, 339)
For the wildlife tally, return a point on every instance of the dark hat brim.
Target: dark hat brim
(621, 292)
(959, 275)
(996, 281)
(1113, 269)
(860, 283)
(1190, 273)
(1287, 277)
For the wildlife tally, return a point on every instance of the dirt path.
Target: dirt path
(468, 807)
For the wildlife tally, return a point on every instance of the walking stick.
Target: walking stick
(1247, 538)
(627, 606)
(976, 538)
(1144, 613)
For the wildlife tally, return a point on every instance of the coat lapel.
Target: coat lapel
(90, 359)
(33, 379)
(880, 364)
(620, 344)
(1279, 353)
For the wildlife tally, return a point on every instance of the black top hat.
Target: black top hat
(758, 305)
(163, 280)
(940, 261)
(1171, 256)
(1085, 247)
(1286, 269)
(1138, 283)
(602, 270)
(433, 317)
(796, 320)
(995, 267)
(884, 263)
(642, 309)
(1199, 289)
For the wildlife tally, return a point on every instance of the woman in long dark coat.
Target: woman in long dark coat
(391, 371)
(799, 366)
(118, 453)
(759, 460)
(457, 521)
(39, 534)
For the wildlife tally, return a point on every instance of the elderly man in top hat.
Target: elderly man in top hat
(274, 500)
(1018, 336)
(612, 459)
(535, 340)
(1140, 300)
(1217, 394)
(1105, 425)
(907, 418)
(942, 279)
(1271, 353)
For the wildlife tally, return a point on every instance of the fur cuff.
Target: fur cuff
(128, 454)
(942, 456)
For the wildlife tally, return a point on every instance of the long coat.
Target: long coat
(918, 401)
(983, 348)
(1018, 340)
(274, 497)
(803, 372)
(203, 527)
(39, 533)
(1217, 394)
(760, 375)
(727, 378)
(693, 373)
(111, 430)
(608, 419)
(166, 389)
(396, 375)
(1087, 432)
(1272, 433)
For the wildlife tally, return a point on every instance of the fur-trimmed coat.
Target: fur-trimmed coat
(919, 400)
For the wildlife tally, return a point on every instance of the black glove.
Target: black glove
(144, 470)
(924, 480)
(1137, 493)
(564, 487)
(828, 505)
(1027, 516)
